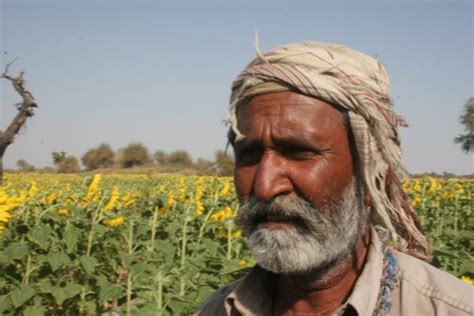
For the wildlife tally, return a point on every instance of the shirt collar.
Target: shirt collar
(366, 289)
(253, 296)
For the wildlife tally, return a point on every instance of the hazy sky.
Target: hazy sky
(160, 72)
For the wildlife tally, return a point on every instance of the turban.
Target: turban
(359, 83)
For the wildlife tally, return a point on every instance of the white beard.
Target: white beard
(312, 241)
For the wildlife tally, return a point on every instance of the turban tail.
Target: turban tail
(359, 83)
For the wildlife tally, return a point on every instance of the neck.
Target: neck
(321, 292)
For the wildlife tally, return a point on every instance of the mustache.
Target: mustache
(296, 210)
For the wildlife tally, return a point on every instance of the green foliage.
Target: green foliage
(224, 164)
(100, 157)
(467, 120)
(160, 157)
(174, 248)
(446, 214)
(179, 158)
(135, 154)
(24, 166)
(65, 163)
(204, 166)
(58, 157)
(165, 259)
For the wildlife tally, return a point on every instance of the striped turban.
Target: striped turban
(359, 83)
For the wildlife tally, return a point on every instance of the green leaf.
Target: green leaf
(102, 280)
(21, 294)
(61, 294)
(197, 262)
(466, 266)
(110, 292)
(88, 307)
(126, 259)
(100, 230)
(173, 227)
(71, 238)
(40, 235)
(88, 264)
(36, 310)
(57, 259)
(5, 303)
(211, 246)
(165, 246)
(3, 258)
(44, 286)
(161, 201)
(141, 229)
(16, 251)
(139, 268)
(444, 253)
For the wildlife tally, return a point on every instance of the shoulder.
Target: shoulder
(215, 304)
(441, 290)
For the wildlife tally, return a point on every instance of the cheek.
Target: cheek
(244, 178)
(322, 183)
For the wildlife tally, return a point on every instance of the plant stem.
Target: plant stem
(159, 294)
(26, 277)
(91, 232)
(201, 230)
(154, 222)
(183, 250)
(129, 273)
(229, 242)
(38, 219)
(89, 248)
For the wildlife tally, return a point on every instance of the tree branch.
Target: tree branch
(5, 73)
(25, 108)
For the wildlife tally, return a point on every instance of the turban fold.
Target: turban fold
(359, 83)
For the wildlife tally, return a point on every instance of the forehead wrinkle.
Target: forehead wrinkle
(271, 109)
(308, 118)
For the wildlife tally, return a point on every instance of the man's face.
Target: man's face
(294, 177)
(294, 146)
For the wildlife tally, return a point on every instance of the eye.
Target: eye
(248, 156)
(302, 154)
(299, 153)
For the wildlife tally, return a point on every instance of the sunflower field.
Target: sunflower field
(159, 245)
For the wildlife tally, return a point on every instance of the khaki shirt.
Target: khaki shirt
(422, 290)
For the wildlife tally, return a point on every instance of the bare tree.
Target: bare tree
(25, 110)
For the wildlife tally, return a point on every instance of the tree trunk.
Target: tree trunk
(1, 170)
(25, 110)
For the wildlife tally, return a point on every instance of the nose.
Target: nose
(271, 178)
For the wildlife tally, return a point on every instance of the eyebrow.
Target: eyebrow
(286, 142)
(245, 143)
(293, 142)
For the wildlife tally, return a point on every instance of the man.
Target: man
(318, 162)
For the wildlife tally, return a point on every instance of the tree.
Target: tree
(100, 157)
(224, 163)
(24, 166)
(58, 157)
(467, 119)
(65, 163)
(180, 158)
(161, 157)
(204, 166)
(25, 110)
(135, 154)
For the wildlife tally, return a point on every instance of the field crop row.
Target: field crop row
(150, 244)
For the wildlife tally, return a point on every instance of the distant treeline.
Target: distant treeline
(135, 157)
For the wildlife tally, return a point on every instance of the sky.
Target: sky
(159, 72)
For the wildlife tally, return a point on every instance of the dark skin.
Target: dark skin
(295, 145)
